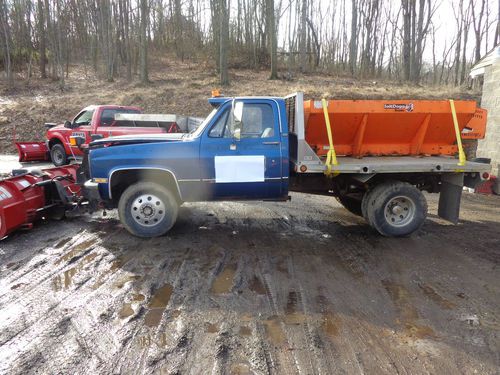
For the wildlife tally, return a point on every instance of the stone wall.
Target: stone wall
(490, 146)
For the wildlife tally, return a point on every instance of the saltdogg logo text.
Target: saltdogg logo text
(400, 107)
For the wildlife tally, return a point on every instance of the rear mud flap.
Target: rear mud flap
(32, 151)
(449, 199)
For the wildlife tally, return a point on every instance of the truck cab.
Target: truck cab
(240, 151)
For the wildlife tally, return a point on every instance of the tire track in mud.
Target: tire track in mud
(44, 322)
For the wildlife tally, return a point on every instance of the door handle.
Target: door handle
(271, 143)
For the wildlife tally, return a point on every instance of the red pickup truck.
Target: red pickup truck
(100, 121)
(93, 122)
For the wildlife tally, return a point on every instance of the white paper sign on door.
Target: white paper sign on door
(244, 168)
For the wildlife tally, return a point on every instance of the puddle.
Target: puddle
(153, 317)
(126, 311)
(117, 264)
(223, 283)
(65, 280)
(274, 330)
(331, 325)
(157, 305)
(257, 286)
(434, 296)
(245, 331)
(401, 298)
(161, 297)
(62, 242)
(138, 297)
(76, 250)
(211, 328)
(241, 369)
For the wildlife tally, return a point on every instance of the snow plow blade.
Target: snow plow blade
(26, 197)
(32, 151)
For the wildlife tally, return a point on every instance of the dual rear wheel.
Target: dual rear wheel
(393, 208)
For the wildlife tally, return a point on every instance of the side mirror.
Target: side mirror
(68, 124)
(237, 118)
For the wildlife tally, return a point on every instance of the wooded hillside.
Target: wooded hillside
(405, 40)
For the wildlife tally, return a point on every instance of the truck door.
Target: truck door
(82, 126)
(241, 152)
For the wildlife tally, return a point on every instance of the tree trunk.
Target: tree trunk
(273, 39)
(353, 44)
(224, 42)
(41, 37)
(144, 42)
(303, 37)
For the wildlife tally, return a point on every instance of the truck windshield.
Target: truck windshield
(197, 132)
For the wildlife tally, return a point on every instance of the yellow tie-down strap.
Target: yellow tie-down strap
(461, 154)
(331, 156)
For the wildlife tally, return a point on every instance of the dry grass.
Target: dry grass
(177, 87)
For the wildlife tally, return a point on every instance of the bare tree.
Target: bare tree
(224, 42)
(144, 42)
(273, 39)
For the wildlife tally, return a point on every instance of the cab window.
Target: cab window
(108, 117)
(254, 120)
(84, 118)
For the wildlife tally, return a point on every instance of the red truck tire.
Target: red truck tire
(58, 155)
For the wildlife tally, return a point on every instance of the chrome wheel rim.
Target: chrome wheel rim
(399, 211)
(147, 210)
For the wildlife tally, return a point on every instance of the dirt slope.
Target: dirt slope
(176, 87)
(250, 288)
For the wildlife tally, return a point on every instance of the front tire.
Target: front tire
(58, 155)
(396, 209)
(147, 209)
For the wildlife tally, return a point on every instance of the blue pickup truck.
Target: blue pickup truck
(254, 148)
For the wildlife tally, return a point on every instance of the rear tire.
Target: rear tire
(58, 155)
(352, 205)
(396, 209)
(147, 209)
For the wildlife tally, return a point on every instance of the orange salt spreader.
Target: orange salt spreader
(385, 127)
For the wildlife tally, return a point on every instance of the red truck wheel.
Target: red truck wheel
(58, 155)
(147, 209)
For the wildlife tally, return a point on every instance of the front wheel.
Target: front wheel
(396, 208)
(147, 209)
(58, 155)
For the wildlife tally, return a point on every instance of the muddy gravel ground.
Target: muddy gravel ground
(254, 288)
